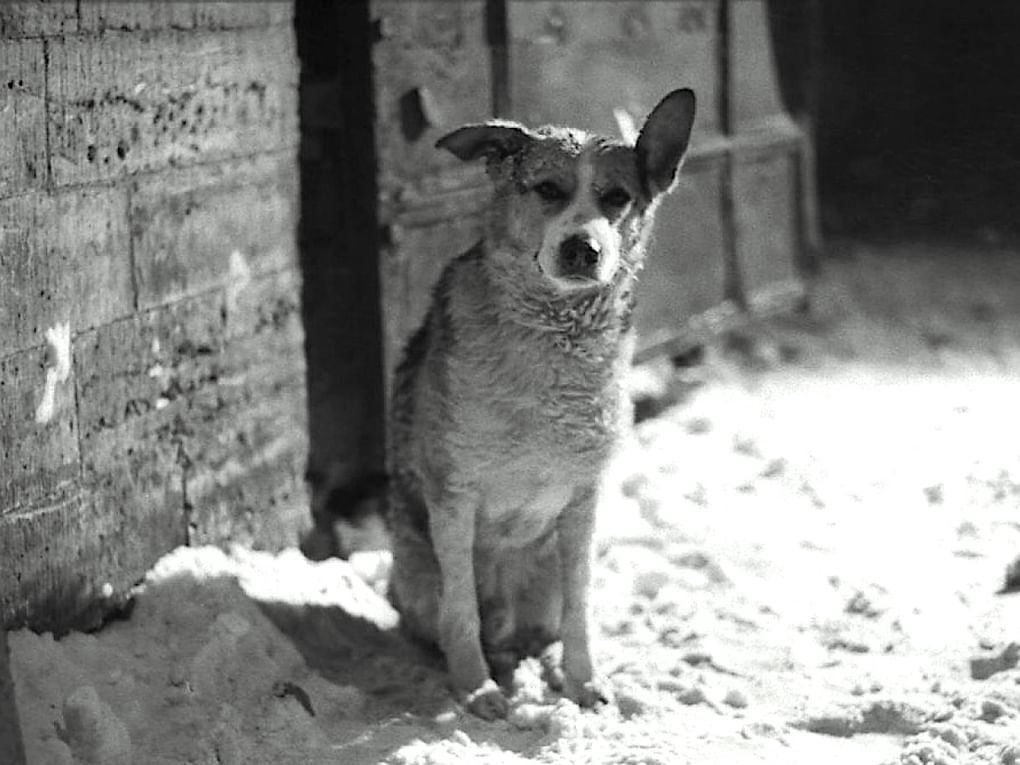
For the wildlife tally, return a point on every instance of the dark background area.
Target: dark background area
(916, 109)
(338, 244)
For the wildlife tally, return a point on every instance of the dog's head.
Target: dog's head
(574, 209)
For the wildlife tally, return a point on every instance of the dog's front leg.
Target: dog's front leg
(452, 525)
(575, 528)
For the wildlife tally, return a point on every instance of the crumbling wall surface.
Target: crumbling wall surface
(151, 364)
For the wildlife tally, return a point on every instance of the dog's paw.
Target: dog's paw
(587, 695)
(487, 702)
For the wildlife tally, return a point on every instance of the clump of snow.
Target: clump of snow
(197, 674)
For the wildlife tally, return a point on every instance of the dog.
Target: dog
(509, 400)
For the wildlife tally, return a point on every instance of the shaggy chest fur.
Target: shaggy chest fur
(541, 375)
(531, 439)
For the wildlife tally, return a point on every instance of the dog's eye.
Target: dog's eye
(616, 198)
(550, 192)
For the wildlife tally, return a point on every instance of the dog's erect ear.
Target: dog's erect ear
(663, 141)
(492, 140)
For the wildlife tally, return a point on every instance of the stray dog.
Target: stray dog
(509, 400)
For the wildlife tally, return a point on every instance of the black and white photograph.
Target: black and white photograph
(440, 382)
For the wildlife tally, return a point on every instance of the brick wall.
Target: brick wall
(152, 371)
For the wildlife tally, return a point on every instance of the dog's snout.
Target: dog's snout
(579, 256)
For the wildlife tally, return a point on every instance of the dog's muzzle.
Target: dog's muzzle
(579, 257)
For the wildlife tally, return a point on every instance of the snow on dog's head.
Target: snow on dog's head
(573, 209)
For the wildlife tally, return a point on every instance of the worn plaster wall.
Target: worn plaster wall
(151, 353)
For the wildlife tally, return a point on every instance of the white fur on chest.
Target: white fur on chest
(520, 503)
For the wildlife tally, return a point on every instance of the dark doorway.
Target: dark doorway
(918, 121)
(338, 242)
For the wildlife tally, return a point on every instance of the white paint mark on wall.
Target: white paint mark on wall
(238, 277)
(57, 370)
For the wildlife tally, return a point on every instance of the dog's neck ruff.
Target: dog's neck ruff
(587, 323)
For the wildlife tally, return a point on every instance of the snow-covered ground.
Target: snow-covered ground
(799, 563)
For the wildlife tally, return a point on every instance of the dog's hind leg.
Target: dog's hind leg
(540, 613)
(415, 586)
(521, 606)
(541, 608)
(498, 622)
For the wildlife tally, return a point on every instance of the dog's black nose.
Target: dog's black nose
(579, 256)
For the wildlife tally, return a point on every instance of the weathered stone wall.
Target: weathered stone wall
(152, 371)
